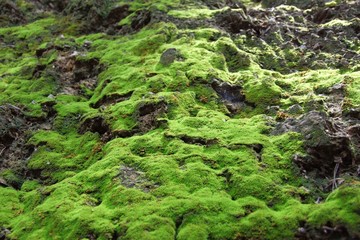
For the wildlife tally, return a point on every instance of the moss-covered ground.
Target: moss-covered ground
(128, 143)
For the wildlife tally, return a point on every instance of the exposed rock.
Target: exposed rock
(10, 13)
(231, 95)
(133, 178)
(235, 21)
(73, 75)
(298, 3)
(147, 115)
(215, 4)
(168, 56)
(327, 142)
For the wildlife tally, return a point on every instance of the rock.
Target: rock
(234, 21)
(326, 140)
(4, 232)
(168, 56)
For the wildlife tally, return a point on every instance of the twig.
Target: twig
(334, 184)
(2, 151)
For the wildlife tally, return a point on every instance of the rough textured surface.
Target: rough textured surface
(191, 119)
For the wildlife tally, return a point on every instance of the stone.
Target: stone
(168, 56)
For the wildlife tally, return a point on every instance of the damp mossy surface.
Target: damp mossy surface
(148, 149)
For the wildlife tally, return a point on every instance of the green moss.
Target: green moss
(236, 59)
(202, 173)
(10, 205)
(339, 208)
(56, 156)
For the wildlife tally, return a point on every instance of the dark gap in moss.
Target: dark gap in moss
(147, 114)
(38, 70)
(124, 133)
(111, 99)
(328, 231)
(198, 140)
(95, 125)
(227, 175)
(40, 52)
(142, 18)
(178, 223)
(48, 108)
(231, 95)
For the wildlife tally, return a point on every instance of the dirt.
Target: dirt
(75, 75)
(15, 131)
(147, 115)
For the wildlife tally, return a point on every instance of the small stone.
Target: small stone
(169, 56)
(87, 43)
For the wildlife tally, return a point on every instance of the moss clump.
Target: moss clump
(236, 59)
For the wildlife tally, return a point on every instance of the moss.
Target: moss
(262, 92)
(10, 205)
(236, 59)
(339, 209)
(203, 173)
(11, 178)
(56, 157)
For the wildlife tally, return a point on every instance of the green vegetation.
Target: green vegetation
(197, 169)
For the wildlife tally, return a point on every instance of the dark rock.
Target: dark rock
(10, 14)
(4, 232)
(272, 110)
(327, 141)
(231, 95)
(323, 15)
(15, 130)
(327, 232)
(168, 56)
(234, 21)
(73, 74)
(298, 3)
(353, 113)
